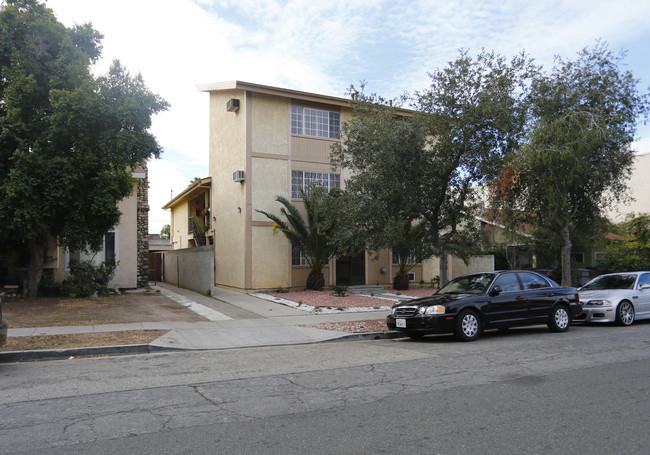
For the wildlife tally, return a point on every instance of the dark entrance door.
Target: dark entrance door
(351, 270)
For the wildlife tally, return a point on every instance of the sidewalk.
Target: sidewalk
(234, 320)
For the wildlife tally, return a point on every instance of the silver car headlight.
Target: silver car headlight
(602, 302)
(433, 309)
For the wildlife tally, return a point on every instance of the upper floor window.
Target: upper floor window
(315, 122)
(303, 180)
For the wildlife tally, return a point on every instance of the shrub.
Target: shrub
(86, 279)
(48, 287)
(339, 291)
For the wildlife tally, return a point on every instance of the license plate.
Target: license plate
(401, 323)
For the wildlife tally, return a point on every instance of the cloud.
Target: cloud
(324, 47)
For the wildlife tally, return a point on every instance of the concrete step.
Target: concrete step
(366, 289)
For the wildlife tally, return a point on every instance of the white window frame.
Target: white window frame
(99, 257)
(302, 180)
(306, 121)
(295, 253)
(412, 258)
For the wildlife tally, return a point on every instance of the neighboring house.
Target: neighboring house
(191, 224)
(517, 251)
(127, 244)
(511, 250)
(267, 142)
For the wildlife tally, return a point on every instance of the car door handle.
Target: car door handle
(520, 298)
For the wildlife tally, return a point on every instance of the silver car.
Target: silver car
(616, 297)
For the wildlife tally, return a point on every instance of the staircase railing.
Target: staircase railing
(199, 238)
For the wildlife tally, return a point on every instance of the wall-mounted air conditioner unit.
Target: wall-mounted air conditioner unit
(232, 105)
(238, 176)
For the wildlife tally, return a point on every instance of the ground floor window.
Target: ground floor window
(411, 259)
(109, 254)
(297, 258)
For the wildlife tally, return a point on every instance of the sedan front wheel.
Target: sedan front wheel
(625, 313)
(468, 326)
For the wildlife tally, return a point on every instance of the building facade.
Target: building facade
(191, 221)
(639, 188)
(267, 142)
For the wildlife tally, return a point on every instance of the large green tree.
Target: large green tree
(67, 139)
(384, 150)
(577, 157)
(423, 166)
(475, 113)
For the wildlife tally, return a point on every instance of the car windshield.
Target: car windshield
(610, 282)
(471, 284)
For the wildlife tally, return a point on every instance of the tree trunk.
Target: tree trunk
(316, 280)
(401, 281)
(444, 268)
(36, 261)
(566, 255)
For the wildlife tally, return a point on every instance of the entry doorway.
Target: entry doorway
(351, 270)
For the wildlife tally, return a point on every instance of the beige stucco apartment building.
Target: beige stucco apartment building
(267, 142)
(639, 191)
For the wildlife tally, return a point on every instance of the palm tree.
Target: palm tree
(311, 236)
(410, 243)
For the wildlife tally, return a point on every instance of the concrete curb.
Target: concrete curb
(59, 354)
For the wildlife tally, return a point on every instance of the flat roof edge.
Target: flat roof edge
(269, 90)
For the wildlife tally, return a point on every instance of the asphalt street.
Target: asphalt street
(526, 391)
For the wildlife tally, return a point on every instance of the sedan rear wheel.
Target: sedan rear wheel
(625, 313)
(560, 319)
(468, 326)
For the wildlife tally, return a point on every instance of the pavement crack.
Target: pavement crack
(202, 395)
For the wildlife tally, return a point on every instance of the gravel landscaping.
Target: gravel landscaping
(328, 302)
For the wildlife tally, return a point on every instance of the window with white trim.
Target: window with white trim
(315, 122)
(109, 254)
(303, 180)
(297, 258)
(411, 259)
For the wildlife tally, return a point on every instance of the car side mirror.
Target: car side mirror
(496, 290)
(644, 286)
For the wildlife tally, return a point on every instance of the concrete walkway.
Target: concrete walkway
(234, 320)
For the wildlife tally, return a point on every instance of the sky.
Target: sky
(324, 47)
